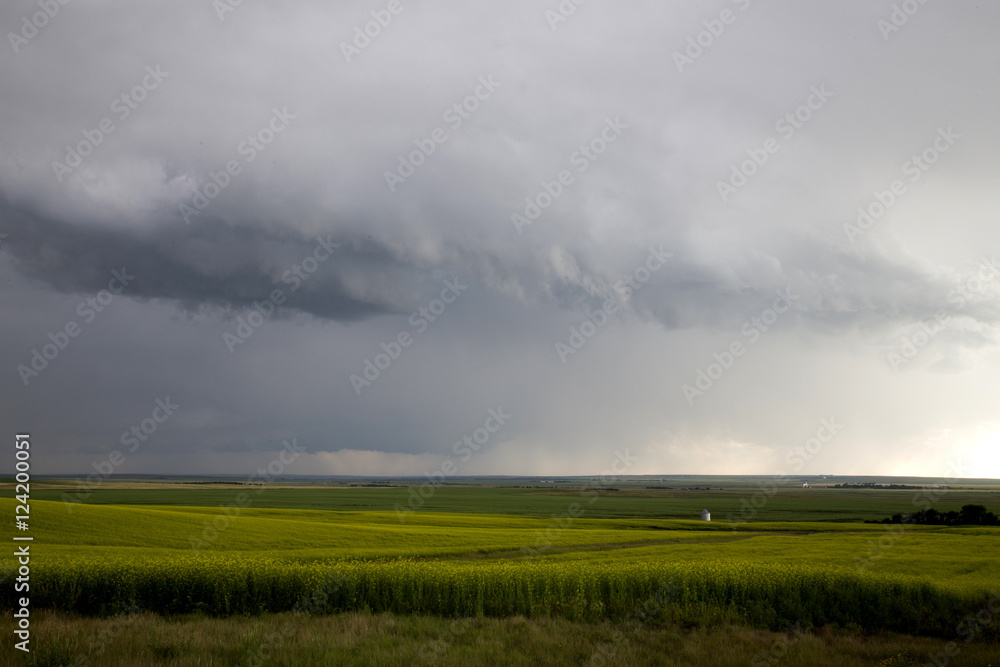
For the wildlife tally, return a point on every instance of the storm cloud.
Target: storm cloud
(694, 232)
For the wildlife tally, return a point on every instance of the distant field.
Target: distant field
(801, 558)
(790, 503)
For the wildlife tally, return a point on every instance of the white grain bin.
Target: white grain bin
(706, 515)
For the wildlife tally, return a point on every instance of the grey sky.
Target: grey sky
(248, 160)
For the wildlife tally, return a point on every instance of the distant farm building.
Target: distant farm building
(706, 515)
(805, 485)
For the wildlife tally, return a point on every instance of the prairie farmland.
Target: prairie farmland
(605, 566)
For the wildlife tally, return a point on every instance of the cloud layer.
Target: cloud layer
(623, 197)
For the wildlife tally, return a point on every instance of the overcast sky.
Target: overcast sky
(215, 216)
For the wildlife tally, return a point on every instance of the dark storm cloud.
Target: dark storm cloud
(188, 93)
(212, 264)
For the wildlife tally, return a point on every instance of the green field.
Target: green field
(725, 498)
(806, 560)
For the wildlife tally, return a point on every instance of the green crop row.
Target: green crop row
(766, 595)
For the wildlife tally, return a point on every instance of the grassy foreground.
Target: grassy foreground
(145, 639)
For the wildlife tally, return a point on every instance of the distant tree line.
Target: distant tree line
(969, 515)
